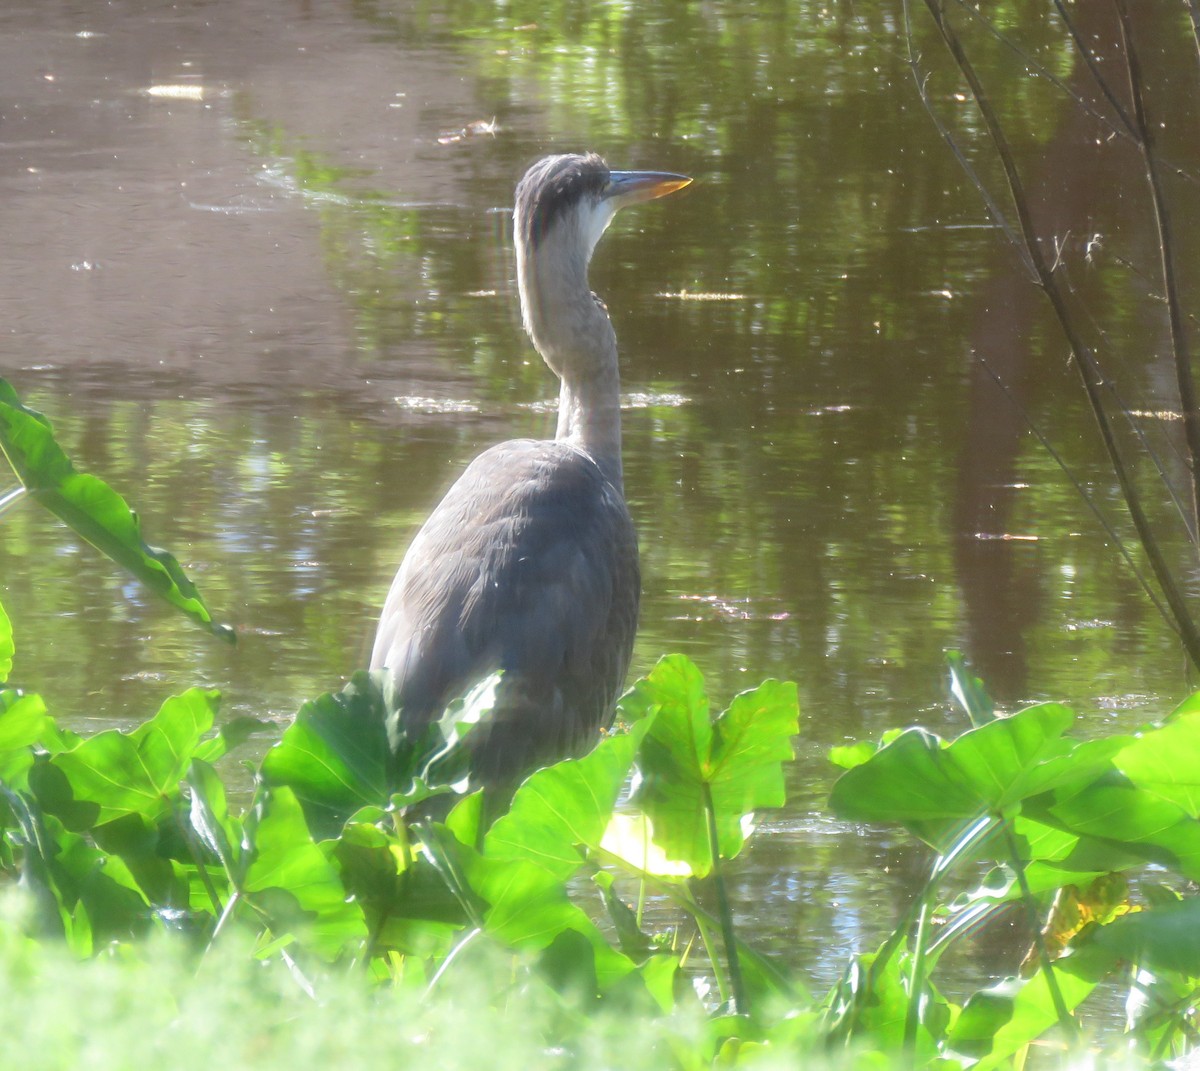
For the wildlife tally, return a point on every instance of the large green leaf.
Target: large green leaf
(1118, 812)
(140, 772)
(563, 806)
(933, 788)
(92, 509)
(93, 894)
(290, 880)
(687, 757)
(334, 755)
(1166, 761)
(1057, 857)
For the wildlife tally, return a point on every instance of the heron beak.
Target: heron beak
(630, 187)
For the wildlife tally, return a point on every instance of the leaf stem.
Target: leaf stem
(740, 1004)
(1065, 1018)
(468, 937)
(703, 925)
(916, 979)
(11, 498)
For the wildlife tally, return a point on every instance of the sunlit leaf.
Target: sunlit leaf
(1115, 811)
(847, 756)
(658, 974)
(529, 908)
(564, 806)
(92, 509)
(140, 772)
(1058, 857)
(630, 837)
(874, 999)
(1166, 761)
(687, 757)
(921, 782)
(334, 755)
(23, 721)
(63, 869)
(231, 735)
(290, 879)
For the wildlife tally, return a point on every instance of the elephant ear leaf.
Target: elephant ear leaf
(92, 509)
(693, 764)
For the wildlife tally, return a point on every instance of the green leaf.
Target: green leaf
(334, 756)
(7, 649)
(932, 788)
(1117, 812)
(210, 818)
(1163, 939)
(630, 837)
(529, 909)
(969, 691)
(1166, 761)
(64, 870)
(290, 880)
(564, 806)
(140, 772)
(876, 989)
(231, 735)
(1058, 857)
(847, 756)
(737, 758)
(92, 509)
(997, 1022)
(23, 720)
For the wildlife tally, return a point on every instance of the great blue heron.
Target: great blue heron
(529, 565)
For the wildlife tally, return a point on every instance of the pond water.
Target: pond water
(256, 266)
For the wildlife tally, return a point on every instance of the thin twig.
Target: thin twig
(1085, 54)
(1079, 351)
(1042, 71)
(1194, 8)
(993, 209)
(1166, 245)
(1088, 501)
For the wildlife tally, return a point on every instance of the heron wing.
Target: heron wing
(528, 565)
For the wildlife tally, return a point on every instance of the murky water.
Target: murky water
(256, 267)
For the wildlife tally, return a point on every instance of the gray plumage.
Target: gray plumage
(529, 564)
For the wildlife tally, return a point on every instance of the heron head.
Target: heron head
(573, 198)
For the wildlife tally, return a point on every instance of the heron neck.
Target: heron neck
(571, 330)
(589, 416)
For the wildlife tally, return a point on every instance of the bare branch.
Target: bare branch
(1166, 245)
(1083, 359)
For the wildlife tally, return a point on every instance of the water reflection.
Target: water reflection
(279, 315)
